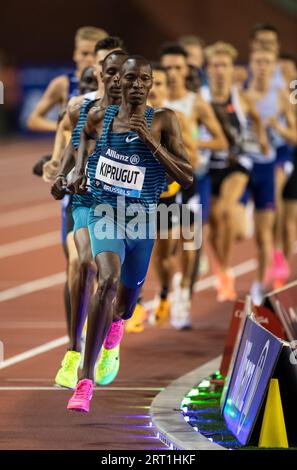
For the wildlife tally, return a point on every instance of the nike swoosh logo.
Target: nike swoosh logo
(130, 139)
(140, 282)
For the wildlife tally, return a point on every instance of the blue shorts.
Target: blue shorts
(80, 216)
(109, 236)
(67, 220)
(81, 204)
(261, 186)
(85, 200)
(204, 191)
(284, 154)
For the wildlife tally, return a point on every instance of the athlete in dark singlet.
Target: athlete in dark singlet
(167, 224)
(229, 170)
(197, 112)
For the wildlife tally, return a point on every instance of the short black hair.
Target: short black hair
(108, 43)
(173, 48)
(117, 52)
(138, 58)
(263, 27)
(86, 70)
(158, 67)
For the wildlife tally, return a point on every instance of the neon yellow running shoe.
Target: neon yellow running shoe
(67, 375)
(108, 366)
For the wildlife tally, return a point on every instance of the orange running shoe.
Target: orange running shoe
(162, 312)
(278, 283)
(135, 324)
(225, 287)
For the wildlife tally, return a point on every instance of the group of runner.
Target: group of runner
(148, 155)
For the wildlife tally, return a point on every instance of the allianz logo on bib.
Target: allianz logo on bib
(117, 156)
(134, 159)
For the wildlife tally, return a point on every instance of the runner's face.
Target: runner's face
(88, 81)
(267, 39)
(111, 76)
(195, 55)
(176, 69)
(99, 58)
(289, 70)
(220, 70)
(159, 91)
(136, 82)
(262, 65)
(83, 55)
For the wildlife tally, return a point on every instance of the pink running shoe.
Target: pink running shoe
(80, 400)
(282, 270)
(279, 269)
(115, 335)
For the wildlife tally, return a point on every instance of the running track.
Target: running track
(32, 329)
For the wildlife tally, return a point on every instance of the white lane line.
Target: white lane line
(33, 286)
(22, 379)
(29, 214)
(34, 352)
(239, 270)
(30, 244)
(102, 389)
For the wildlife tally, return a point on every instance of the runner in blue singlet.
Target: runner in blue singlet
(138, 146)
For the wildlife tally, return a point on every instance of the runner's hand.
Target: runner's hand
(59, 187)
(273, 123)
(50, 170)
(78, 184)
(138, 124)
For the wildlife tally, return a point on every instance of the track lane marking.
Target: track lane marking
(29, 214)
(239, 270)
(27, 245)
(33, 286)
(204, 284)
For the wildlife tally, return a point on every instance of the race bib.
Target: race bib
(120, 174)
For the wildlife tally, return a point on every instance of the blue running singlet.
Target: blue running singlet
(125, 166)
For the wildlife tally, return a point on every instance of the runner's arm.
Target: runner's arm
(89, 132)
(289, 131)
(68, 160)
(53, 95)
(170, 152)
(206, 116)
(257, 124)
(188, 140)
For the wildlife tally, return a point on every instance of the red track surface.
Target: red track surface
(37, 419)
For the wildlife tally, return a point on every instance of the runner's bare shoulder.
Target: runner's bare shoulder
(164, 114)
(75, 105)
(58, 88)
(96, 113)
